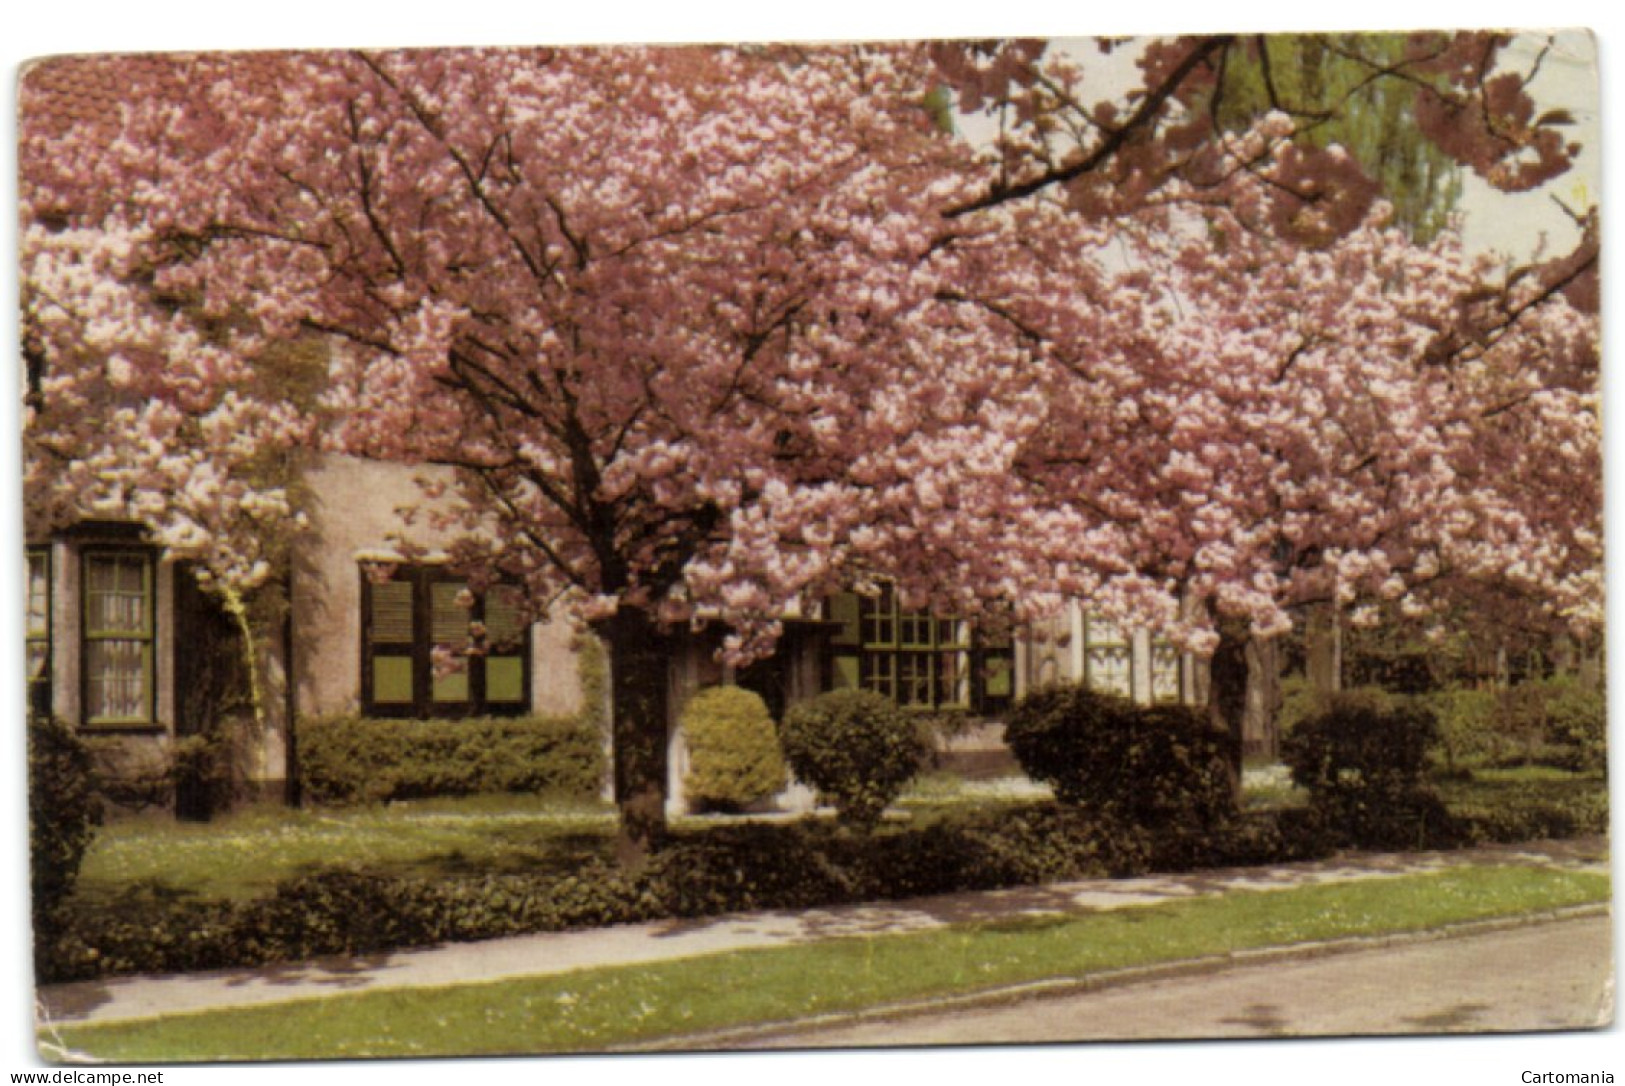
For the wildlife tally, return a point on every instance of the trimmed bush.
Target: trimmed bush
(1533, 811)
(1576, 724)
(854, 746)
(1558, 721)
(1252, 839)
(351, 759)
(1299, 701)
(64, 810)
(1467, 718)
(1149, 766)
(733, 749)
(1364, 763)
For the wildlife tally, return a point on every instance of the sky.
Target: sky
(36, 29)
(1515, 224)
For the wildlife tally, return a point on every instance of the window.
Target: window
(39, 631)
(916, 659)
(1108, 658)
(118, 637)
(1167, 683)
(1111, 664)
(432, 647)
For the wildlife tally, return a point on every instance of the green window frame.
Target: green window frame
(38, 632)
(919, 660)
(118, 657)
(432, 647)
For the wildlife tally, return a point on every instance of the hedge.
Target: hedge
(721, 869)
(350, 759)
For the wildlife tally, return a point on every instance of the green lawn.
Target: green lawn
(599, 1008)
(243, 854)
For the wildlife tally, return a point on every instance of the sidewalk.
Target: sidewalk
(125, 998)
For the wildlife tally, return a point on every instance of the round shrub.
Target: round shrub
(1364, 763)
(64, 810)
(1151, 766)
(733, 749)
(854, 746)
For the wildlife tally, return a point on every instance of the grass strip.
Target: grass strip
(593, 1009)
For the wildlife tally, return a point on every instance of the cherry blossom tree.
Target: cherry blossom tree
(708, 334)
(1273, 204)
(1359, 422)
(134, 413)
(690, 324)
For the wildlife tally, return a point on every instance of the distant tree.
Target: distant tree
(1334, 89)
(1112, 155)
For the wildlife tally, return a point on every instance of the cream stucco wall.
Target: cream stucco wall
(355, 507)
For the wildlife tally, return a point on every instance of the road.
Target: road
(1555, 975)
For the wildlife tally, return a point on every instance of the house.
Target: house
(126, 647)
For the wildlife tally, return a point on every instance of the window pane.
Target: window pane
(417, 617)
(38, 661)
(1109, 669)
(450, 609)
(392, 679)
(452, 688)
(39, 595)
(115, 680)
(914, 679)
(916, 629)
(101, 573)
(845, 673)
(116, 597)
(879, 627)
(999, 672)
(505, 679)
(392, 613)
(879, 673)
(1164, 672)
(953, 678)
(503, 627)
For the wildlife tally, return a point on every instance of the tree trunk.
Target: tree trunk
(1227, 695)
(1323, 645)
(1261, 730)
(639, 657)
